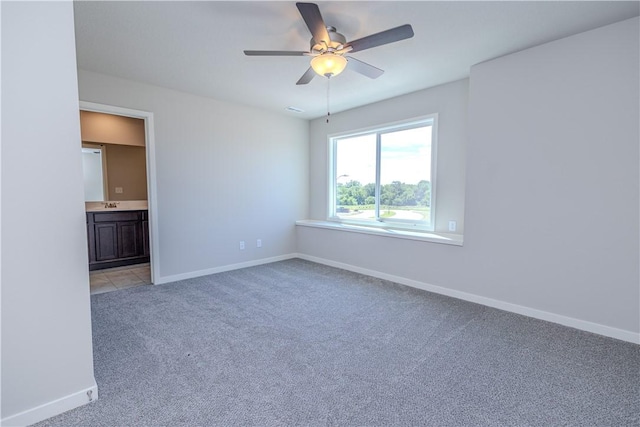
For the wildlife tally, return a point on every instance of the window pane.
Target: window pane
(356, 177)
(405, 174)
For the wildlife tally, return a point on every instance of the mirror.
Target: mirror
(93, 168)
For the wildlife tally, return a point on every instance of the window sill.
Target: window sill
(447, 239)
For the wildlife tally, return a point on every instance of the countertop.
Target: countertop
(119, 205)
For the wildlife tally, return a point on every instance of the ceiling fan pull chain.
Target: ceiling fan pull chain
(328, 87)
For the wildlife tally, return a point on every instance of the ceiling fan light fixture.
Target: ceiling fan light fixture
(328, 64)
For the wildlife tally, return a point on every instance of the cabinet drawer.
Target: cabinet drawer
(116, 216)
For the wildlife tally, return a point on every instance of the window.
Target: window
(385, 176)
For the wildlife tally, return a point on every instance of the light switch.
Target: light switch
(118, 190)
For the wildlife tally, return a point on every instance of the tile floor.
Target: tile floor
(113, 279)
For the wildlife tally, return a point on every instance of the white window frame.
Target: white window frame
(388, 223)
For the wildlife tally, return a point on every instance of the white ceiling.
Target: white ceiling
(197, 46)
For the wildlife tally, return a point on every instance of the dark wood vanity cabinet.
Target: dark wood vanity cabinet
(117, 238)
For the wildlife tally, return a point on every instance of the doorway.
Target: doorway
(150, 190)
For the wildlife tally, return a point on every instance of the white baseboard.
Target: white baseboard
(51, 409)
(221, 269)
(583, 325)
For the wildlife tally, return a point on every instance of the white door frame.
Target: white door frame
(152, 193)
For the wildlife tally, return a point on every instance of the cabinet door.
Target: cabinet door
(145, 238)
(91, 238)
(106, 241)
(130, 239)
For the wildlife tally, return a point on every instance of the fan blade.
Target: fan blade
(274, 53)
(312, 17)
(389, 36)
(363, 68)
(306, 77)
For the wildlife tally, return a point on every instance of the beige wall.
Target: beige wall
(111, 129)
(124, 142)
(126, 168)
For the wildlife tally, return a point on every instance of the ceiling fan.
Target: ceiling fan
(329, 48)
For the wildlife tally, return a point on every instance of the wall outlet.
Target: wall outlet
(453, 225)
(242, 245)
(259, 243)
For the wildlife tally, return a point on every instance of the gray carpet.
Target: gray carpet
(297, 343)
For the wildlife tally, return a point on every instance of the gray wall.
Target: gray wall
(225, 173)
(553, 165)
(47, 361)
(551, 206)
